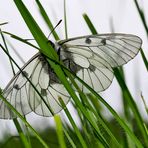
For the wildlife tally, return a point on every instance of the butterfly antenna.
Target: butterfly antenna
(54, 28)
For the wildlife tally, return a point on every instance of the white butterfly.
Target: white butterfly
(90, 57)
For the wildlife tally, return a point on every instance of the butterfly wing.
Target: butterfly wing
(24, 98)
(50, 88)
(96, 55)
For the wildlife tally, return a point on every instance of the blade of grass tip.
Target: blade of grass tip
(82, 141)
(142, 16)
(59, 130)
(23, 138)
(65, 20)
(89, 23)
(42, 42)
(131, 102)
(47, 20)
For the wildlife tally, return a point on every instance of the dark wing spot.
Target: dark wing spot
(103, 41)
(88, 40)
(92, 68)
(16, 86)
(43, 92)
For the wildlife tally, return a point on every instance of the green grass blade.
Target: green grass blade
(23, 138)
(59, 130)
(46, 19)
(73, 125)
(144, 59)
(65, 20)
(143, 19)
(145, 105)
(142, 16)
(69, 138)
(89, 23)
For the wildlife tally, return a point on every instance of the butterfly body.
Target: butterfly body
(90, 57)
